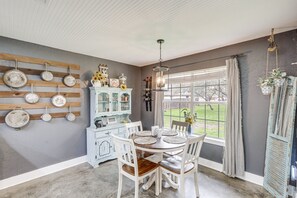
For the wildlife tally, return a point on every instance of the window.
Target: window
(204, 94)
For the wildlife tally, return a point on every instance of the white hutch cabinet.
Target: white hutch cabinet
(109, 110)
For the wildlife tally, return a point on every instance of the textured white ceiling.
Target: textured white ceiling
(127, 30)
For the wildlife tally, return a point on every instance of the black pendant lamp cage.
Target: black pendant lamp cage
(161, 72)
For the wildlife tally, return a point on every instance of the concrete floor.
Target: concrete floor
(83, 181)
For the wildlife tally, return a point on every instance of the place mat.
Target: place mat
(144, 133)
(169, 133)
(175, 140)
(145, 140)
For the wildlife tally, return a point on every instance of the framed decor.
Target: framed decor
(113, 82)
(111, 120)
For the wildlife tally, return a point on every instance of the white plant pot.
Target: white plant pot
(266, 90)
(96, 83)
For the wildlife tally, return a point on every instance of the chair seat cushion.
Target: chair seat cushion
(144, 166)
(174, 164)
(174, 152)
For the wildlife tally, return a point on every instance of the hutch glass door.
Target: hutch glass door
(125, 102)
(103, 102)
(115, 102)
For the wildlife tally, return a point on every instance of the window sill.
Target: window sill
(215, 141)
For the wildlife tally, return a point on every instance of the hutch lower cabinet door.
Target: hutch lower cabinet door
(100, 147)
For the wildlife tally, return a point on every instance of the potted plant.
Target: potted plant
(189, 118)
(266, 85)
(278, 77)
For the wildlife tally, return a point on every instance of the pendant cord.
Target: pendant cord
(160, 54)
(267, 64)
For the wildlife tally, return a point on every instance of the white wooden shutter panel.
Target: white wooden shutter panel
(280, 138)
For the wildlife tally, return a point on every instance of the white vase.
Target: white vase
(96, 83)
(266, 89)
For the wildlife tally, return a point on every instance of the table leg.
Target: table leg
(149, 183)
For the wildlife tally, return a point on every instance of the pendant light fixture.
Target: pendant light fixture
(161, 72)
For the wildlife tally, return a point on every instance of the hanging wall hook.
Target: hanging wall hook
(272, 45)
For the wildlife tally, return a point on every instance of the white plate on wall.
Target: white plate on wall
(15, 78)
(17, 118)
(58, 100)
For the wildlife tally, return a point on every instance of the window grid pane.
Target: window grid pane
(208, 104)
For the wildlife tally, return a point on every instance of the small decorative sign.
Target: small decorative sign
(113, 82)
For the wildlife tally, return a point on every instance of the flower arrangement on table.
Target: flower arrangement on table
(189, 117)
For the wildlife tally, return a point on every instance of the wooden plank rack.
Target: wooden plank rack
(67, 92)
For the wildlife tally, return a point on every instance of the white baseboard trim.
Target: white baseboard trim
(250, 177)
(15, 180)
(211, 164)
(12, 181)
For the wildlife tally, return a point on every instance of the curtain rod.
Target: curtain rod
(229, 56)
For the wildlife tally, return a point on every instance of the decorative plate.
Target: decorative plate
(175, 140)
(145, 140)
(15, 78)
(169, 133)
(31, 98)
(58, 100)
(144, 133)
(47, 76)
(69, 81)
(46, 117)
(17, 118)
(70, 117)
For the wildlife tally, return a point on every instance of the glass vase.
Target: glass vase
(190, 129)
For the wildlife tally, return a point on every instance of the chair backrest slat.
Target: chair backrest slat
(125, 151)
(180, 126)
(133, 127)
(192, 149)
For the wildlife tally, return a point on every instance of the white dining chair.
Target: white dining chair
(181, 127)
(133, 127)
(183, 166)
(131, 167)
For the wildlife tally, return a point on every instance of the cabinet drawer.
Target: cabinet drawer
(106, 133)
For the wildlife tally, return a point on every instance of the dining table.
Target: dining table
(158, 148)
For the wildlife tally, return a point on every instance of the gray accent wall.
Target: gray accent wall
(42, 144)
(254, 105)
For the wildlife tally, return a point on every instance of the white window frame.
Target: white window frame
(210, 140)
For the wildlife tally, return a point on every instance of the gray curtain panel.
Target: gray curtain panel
(233, 162)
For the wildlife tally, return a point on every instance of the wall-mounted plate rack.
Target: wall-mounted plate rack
(16, 94)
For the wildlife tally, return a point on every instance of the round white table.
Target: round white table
(158, 148)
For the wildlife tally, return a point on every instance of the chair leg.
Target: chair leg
(160, 180)
(196, 184)
(120, 185)
(136, 188)
(157, 180)
(182, 187)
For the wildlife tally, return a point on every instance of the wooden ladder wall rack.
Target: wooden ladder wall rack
(13, 94)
